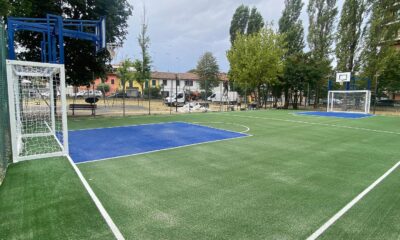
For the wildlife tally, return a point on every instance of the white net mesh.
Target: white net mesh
(38, 115)
(349, 101)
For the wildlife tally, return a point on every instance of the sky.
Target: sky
(181, 31)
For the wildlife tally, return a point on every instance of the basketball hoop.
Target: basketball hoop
(112, 49)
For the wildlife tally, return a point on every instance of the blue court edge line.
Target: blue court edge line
(336, 115)
(114, 142)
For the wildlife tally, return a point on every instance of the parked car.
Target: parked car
(47, 94)
(90, 93)
(118, 95)
(388, 103)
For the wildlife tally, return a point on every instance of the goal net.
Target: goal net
(349, 101)
(38, 117)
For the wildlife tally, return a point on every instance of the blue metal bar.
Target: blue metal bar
(53, 29)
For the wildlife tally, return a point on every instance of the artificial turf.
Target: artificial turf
(44, 199)
(284, 182)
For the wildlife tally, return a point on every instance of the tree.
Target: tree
(322, 15)
(208, 71)
(256, 22)
(143, 68)
(389, 80)
(381, 35)
(125, 74)
(5, 7)
(291, 27)
(239, 21)
(257, 59)
(80, 58)
(349, 35)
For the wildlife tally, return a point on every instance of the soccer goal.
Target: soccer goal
(355, 101)
(38, 114)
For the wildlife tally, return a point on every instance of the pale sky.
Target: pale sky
(182, 30)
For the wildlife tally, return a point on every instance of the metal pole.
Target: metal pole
(376, 91)
(176, 92)
(148, 93)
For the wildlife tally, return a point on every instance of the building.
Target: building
(167, 82)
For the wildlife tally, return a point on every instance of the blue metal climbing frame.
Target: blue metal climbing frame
(53, 29)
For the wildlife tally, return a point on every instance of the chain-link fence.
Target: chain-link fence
(5, 140)
(157, 96)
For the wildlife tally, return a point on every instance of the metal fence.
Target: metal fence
(5, 140)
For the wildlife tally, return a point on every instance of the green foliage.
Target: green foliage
(389, 80)
(125, 73)
(104, 88)
(322, 15)
(81, 60)
(291, 25)
(5, 8)
(208, 71)
(256, 22)
(380, 38)
(257, 59)
(155, 92)
(143, 67)
(245, 21)
(239, 21)
(349, 35)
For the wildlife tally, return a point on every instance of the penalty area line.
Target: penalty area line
(353, 202)
(118, 235)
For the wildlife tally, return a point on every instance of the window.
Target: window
(189, 83)
(112, 81)
(153, 83)
(164, 82)
(178, 83)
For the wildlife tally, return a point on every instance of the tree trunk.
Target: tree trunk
(316, 99)
(123, 101)
(286, 93)
(295, 100)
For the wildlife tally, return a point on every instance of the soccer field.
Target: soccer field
(286, 178)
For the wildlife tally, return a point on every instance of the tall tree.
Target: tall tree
(350, 32)
(256, 21)
(143, 67)
(208, 71)
(383, 27)
(257, 59)
(291, 27)
(80, 59)
(239, 21)
(322, 15)
(125, 74)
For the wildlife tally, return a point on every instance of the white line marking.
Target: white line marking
(124, 126)
(118, 235)
(339, 214)
(235, 124)
(161, 150)
(319, 124)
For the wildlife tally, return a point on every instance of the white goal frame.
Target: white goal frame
(59, 133)
(366, 105)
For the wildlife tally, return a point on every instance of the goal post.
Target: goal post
(352, 101)
(38, 113)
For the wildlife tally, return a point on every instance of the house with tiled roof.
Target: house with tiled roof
(168, 82)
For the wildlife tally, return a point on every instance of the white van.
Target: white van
(176, 99)
(231, 97)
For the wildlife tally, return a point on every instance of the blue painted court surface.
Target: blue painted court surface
(336, 114)
(98, 144)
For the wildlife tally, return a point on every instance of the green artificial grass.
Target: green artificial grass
(44, 199)
(283, 182)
